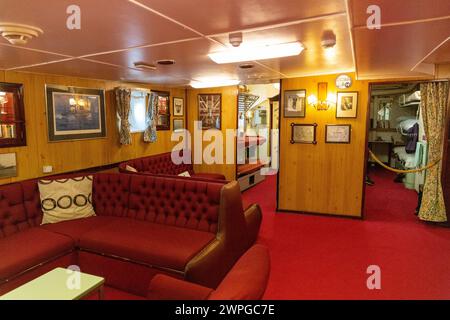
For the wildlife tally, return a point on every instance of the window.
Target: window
(138, 110)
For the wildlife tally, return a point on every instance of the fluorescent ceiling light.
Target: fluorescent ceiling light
(212, 83)
(242, 54)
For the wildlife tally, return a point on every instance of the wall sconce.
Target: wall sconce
(324, 100)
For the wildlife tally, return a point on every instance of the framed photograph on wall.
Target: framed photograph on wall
(75, 113)
(338, 133)
(178, 107)
(161, 100)
(347, 104)
(8, 165)
(210, 110)
(295, 103)
(303, 133)
(178, 124)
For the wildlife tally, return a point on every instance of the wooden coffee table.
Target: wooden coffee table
(54, 286)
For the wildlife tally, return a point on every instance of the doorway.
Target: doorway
(397, 140)
(257, 153)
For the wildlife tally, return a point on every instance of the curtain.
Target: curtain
(434, 96)
(150, 121)
(123, 97)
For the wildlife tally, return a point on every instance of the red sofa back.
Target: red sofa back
(157, 164)
(13, 216)
(20, 205)
(173, 201)
(178, 202)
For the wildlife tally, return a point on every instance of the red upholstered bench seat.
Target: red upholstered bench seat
(162, 164)
(74, 229)
(153, 244)
(193, 229)
(31, 247)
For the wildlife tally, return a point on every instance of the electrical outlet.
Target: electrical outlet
(47, 169)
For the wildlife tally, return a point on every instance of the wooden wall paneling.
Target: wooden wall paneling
(74, 155)
(229, 115)
(323, 178)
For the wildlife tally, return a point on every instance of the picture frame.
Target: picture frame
(178, 107)
(294, 103)
(75, 113)
(347, 104)
(338, 133)
(178, 124)
(210, 111)
(162, 105)
(8, 165)
(303, 133)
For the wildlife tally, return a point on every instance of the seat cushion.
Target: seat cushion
(29, 248)
(151, 243)
(76, 228)
(213, 176)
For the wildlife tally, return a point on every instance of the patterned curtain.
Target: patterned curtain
(123, 97)
(434, 97)
(150, 131)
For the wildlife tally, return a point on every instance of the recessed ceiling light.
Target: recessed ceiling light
(144, 65)
(213, 83)
(166, 62)
(19, 34)
(248, 53)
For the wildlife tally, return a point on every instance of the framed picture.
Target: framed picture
(178, 107)
(294, 103)
(178, 124)
(303, 133)
(8, 165)
(338, 133)
(209, 110)
(75, 113)
(347, 104)
(162, 105)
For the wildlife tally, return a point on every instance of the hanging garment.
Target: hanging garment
(412, 135)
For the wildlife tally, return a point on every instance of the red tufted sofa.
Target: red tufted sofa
(188, 229)
(162, 164)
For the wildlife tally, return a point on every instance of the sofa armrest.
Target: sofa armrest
(164, 287)
(248, 278)
(211, 264)
(253, 218)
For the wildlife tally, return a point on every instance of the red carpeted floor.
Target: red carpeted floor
(316, 257)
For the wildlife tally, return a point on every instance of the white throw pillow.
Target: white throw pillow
(66, 199)
(184, 174)
(130, 168)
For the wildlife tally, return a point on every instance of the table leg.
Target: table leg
(101, 293)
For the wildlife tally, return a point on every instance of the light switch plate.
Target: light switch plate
(47, 169)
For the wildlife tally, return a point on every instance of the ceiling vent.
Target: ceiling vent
(246, 66)
(19, 34)
(165, 62)
(144, 66)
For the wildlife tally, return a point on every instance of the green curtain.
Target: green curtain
(434, 99)
(123, 98)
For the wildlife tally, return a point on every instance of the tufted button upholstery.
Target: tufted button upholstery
(111, 194)
(162, 164)
(13, 216)
(176, 202)
(157, 164)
